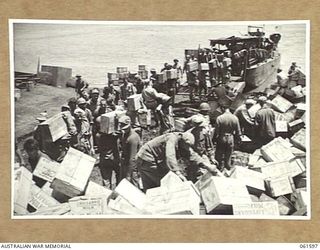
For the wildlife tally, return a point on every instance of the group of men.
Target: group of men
(202, 145)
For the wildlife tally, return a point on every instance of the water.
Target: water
(92, 50)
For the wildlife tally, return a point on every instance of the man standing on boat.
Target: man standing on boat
(81, 85)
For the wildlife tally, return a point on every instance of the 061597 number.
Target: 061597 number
(309, 245)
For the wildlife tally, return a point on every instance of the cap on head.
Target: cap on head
(81, 101)
(262, 99)
(77, 75)
(79, 113)
(124, 122)
(197, 120)
(249, 102)
(65, 107)
(153, 70)
(188, 56)
(95, 91)
(204, 107)
(175, 60)
(188, 138)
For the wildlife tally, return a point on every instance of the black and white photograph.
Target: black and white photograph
(150, 119)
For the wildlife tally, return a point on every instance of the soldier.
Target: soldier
(246, 121)
(227, 132)
(83, 132)
(130, 144)
(158, 156)
(165, 113)
(265, 123)
(80, 85)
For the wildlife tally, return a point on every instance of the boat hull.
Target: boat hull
(260, 76)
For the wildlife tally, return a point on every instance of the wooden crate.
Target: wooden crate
(281, 127)
(219, 194)
(254, 109)
(74, 173)
(280, 186)
(252, 179)
(144, 118)
(268, 208)
(142, 67)
(192, 66)
(122, 70)
(204, 66)
(22, 189)
(109, 123)
(88, 205)
(284, 168)
(134, 102)
(113, 77)
(281, 104)
(94, 189)
(60, 209)
(171, 74)
(143, 74)
(285, 205)
(162, 77)
(299, 139)
(131, 193)
(276, 150)
(296, 125)
(53, 129)
(40, 199)
(46, 169)
(60, 75)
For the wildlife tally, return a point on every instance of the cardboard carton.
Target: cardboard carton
(144, 118)
(108, 122)
(263, 197)
(74, 173)
(172, 74)
(123, 206)
(53, 128)
(268, 208)
(301, 110)
(252, 179)
(60, 75)
(296, 125)
(280, 186)
(88, 205)
(284, 168)
(276, 150)
(203, 66)
(179, 200)
(299, 139)
(162, 77)
(192, 66)
(122, 70)
(22, 190)
(46, 169)
(60, 209)
(281, 104)
(219, 194)
(301, 212)
(131, 193)
(300, 181)
(94, 189)
(143, 74)
(113, 77)
(285, 206)
(123, 75)
(299, 199)
(179, 124)
(40, 199)
(142, 67)
(134, 102)
(281, 126)
(254, 109)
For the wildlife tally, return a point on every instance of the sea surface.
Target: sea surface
(93, 50)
